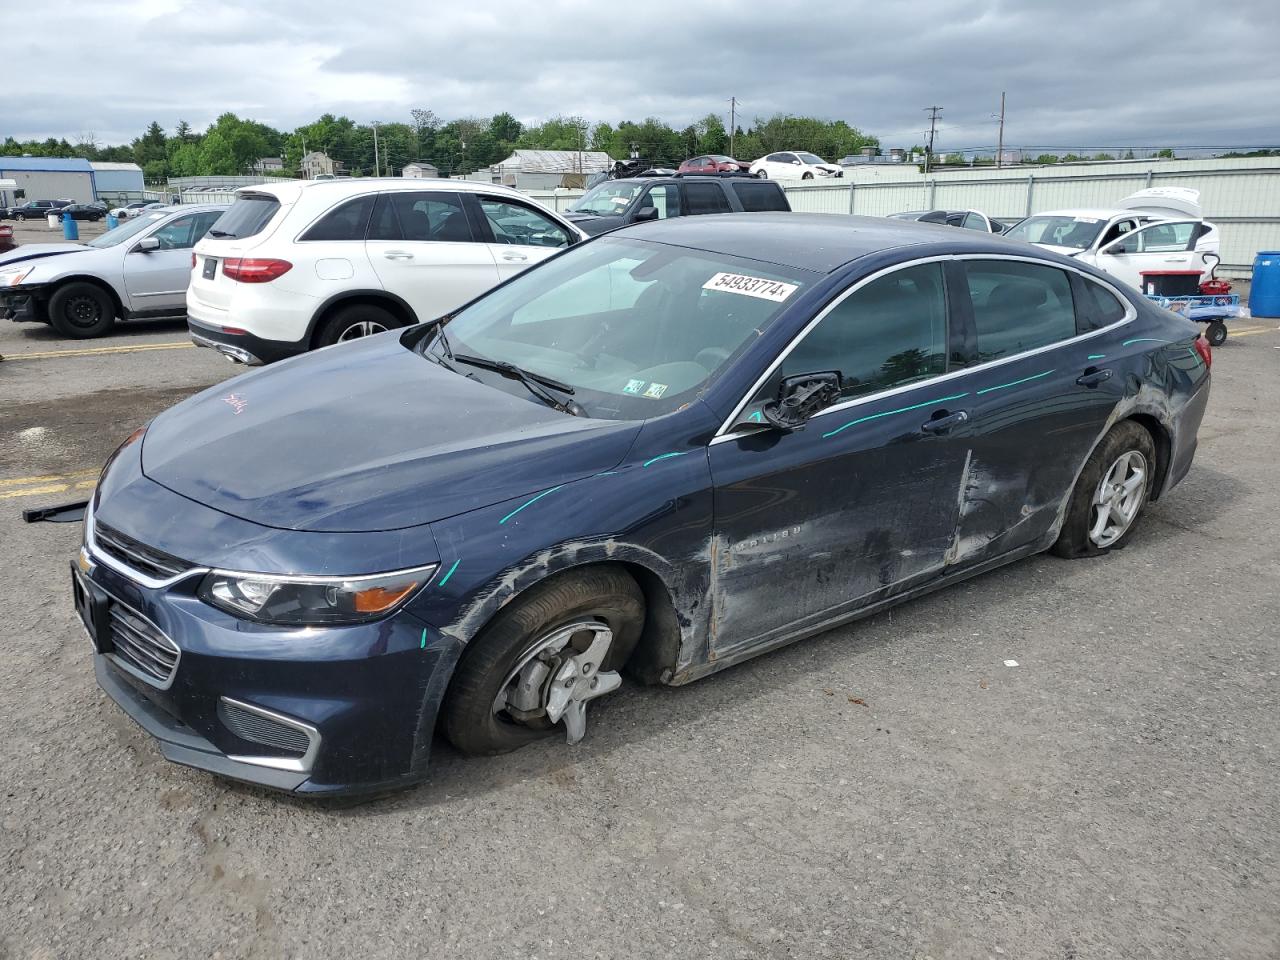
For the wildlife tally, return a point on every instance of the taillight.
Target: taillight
(251, 270)
(193, 261)
(1205, 351)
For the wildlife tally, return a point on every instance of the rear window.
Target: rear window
(761, 197)
(246, 217)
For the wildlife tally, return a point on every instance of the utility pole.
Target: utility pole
(1000, 141)
(376, 166)
(933, 123)
(733, 123)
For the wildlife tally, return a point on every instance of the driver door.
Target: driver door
(156, 280)
(864, 498)
(519, 235)
(1158, 246)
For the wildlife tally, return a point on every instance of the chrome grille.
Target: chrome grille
(137, 643)
(256, 728)
(149, 561)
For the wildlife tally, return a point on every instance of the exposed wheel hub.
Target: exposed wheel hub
(556, 678)
(1118, 498)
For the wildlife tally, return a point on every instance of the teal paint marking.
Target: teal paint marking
(756, 417)
(889, 413)
(423, 644)
(529, 503)
(1096, 356)
(661, 456)
(607, 473)
(445, 578)
(1014, 383)
(1145, 340)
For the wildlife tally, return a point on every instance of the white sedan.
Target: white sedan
(135, 208)
(795, 165)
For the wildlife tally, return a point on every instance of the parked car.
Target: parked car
(135, 208)
(665, 451)
(1159, 229)
(616, 203)
(968, 219)
(34, 209)
(796, 165)
(306, 264)
(713, 163)
(7, 242)
(137, 271)
(84, 211)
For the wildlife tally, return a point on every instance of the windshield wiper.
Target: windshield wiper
(220, 233)
(532, 381)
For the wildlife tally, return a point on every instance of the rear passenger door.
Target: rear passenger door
(1153, 248)
(423, 249)
(517, 234)
(1040, 395)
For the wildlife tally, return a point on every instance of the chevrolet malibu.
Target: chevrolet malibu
(661, 452)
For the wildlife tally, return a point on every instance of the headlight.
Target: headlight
(14, 276)
(311, 601)
(128, 441)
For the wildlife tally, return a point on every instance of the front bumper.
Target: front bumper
(367, 695)
(22, 306)
(243, 347)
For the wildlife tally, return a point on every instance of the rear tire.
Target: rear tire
(1216, 333)
(81, 311)
(355, 321)
(1126, 449)
(20, 217)
(605, 594)
(807, 176)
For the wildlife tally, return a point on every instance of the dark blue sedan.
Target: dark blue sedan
(662, 452)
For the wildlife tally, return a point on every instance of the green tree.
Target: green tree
(505, 128)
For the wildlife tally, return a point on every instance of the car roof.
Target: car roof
(291, 190)
(190, 207)
(1095, 214)
(820, 242)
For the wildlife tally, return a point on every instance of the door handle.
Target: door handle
(517, 257)
(1092, 377)
(945, 423)
(1175, 259)
(397, 255)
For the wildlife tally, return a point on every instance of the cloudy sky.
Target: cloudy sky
(1077, 72)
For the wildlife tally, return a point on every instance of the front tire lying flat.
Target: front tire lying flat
(542, 660)
(1111, 493)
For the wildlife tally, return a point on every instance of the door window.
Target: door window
(974, 221)
(891, 332)
(420, 217)
(181, 233)
(1018, 306)
(705, 198)
(517, 224)
(665, 199)
(758, 196)
(1096, 306)
(1157, 238)
(345, 222)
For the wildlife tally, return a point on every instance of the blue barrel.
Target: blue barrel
(1264, 291)
(112, 221)
(69, 229)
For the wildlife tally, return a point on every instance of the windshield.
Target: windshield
(636, 328)
(810, 158)
(611, 197)
(1076, 232)
(127, 230)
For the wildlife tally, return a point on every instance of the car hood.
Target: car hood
(37, 251)
(1065, 251)
(369, 436)
(593, 224)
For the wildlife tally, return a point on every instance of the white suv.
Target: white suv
(298, 265)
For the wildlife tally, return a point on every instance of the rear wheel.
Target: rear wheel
(81, 310)
(1216, 333)
(807, 176)
(1110, 494)
(543, 659)
(355, 321)
(20, 217)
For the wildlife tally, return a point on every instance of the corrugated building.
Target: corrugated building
(47, 178)
(117, 182)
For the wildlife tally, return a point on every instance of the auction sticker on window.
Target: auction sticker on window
(749, 286)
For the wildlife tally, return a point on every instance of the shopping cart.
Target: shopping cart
(1212, 309)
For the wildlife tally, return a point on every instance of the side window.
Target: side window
(974, 221)
(178, 234)
(203, 222)
(1018, 306)
(1096, 306)
(705, 198)
(515, 223)
(421, 217)
(760, 196)
(1166, 237)
(891, 332)
(664, 198)
(347, 221)
(955, 220)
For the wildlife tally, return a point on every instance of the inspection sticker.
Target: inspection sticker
(751, 286)
(634, 386)
(656, 390)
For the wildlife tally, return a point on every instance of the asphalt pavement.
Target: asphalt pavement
(1060, 759)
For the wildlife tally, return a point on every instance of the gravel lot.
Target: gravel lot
(892, 789)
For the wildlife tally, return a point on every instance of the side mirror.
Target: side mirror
(147, 244)
(800, 397)
(796, 162)
(646, 213)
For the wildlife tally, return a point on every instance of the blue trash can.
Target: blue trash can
(69, 229)
(1264, 291)
(112, 221)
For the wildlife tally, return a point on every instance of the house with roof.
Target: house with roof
(547, 169)
(47, 178)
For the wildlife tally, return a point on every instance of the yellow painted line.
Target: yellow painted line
(52, 478)
(32, 491)
(97, 351)
(1252, 332)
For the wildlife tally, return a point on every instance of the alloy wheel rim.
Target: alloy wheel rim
(361, 328)
(1118, 498)
(557, 676)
